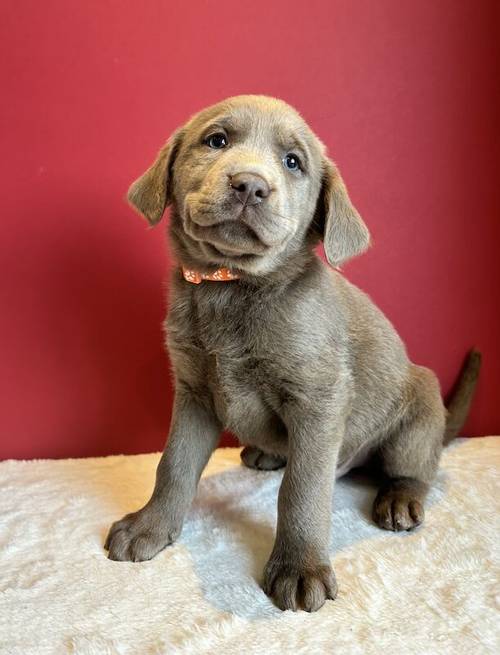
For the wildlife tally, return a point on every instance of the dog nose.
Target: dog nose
(249, 188)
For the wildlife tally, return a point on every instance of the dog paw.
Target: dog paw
(293, 587)
(393, 510)
(255, 458)
(139, 536)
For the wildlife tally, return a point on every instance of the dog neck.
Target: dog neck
(220, 275)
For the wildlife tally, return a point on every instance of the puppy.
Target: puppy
(269, 342)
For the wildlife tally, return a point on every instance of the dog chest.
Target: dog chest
(241, 389)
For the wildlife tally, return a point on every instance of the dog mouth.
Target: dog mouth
(230, 238)
(226, 256)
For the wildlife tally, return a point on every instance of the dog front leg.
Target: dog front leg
(193, 436)
(298, 574)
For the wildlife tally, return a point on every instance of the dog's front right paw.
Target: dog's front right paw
(139, 536)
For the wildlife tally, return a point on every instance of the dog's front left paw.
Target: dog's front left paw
(139, 536)
(294, 587)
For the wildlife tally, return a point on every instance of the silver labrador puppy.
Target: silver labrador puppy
(271, 343)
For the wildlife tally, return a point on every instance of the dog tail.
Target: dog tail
(461, 397)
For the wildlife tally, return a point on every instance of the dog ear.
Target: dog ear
(151, 193)
(343, 231)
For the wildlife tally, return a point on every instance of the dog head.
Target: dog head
(250, 184)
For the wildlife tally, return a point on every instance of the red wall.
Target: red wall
(403, 93)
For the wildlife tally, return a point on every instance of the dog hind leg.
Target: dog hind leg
(410, 455)
(255, 458)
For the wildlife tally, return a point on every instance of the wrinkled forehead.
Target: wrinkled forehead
(262, 120)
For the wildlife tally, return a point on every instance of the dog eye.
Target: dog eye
(216, 141)
(292, 162)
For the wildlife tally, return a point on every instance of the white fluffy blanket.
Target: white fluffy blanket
(432, 591)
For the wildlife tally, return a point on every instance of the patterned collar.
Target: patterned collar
(220, 275)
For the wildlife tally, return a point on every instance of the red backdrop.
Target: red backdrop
(403, 93)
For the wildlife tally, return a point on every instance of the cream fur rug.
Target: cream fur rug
(433, 591)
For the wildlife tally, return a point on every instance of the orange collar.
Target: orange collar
(220, 275)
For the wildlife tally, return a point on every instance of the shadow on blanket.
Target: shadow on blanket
(229, 532)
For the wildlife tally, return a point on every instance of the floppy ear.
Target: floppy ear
(344, 233)
(151, 193)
